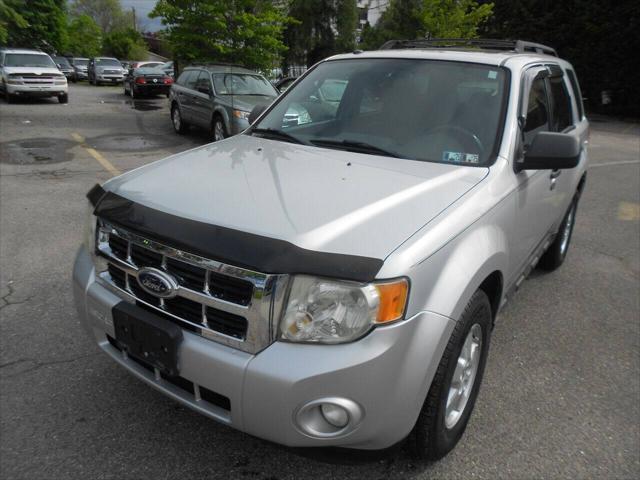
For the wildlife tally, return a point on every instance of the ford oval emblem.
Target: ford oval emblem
(157, 283)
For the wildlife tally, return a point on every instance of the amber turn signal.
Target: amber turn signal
(393, 300)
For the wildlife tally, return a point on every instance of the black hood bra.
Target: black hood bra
(227, 245)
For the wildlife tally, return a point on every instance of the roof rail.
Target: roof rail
(518, 46)
(214, 64)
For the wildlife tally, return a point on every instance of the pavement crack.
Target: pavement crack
(6, 301)
(34, 364)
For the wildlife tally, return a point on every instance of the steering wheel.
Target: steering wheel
(466, 137)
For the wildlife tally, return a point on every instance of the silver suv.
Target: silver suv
(31, 73)
(331, 276)
(218, 98)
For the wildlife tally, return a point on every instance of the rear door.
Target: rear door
(202, 104)
(184, 92)
(567, 116)
(535, 209)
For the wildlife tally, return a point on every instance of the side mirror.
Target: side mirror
(256, 112)
(205, 90)
(551, 151)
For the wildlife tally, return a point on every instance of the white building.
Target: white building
(371, 10)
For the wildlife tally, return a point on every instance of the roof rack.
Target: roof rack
(518, 46)
(214, 64)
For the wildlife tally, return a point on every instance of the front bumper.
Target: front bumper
(37, 90)
(387, 373)
(109, 77)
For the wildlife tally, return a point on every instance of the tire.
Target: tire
(176, 119)
(218, 129)
(132, 91)
(63, 98)
(438, 430)
(557, 251)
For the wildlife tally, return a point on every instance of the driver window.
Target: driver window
(537, 111)
(202, 83)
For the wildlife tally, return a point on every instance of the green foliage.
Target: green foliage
(321, 28)
(39, 24)
(600, 39)
(125, 45)
(239, 31)
(108, 14)
(411, 19)
(84, 37)
(454, 18)
(10, 19)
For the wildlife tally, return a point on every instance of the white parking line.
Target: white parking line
(613, 164)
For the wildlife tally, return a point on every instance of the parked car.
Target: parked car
(284, 83)
(168, 69)
(147, 81)
(218, 98)
(336, 282)
(64, 66)
(80, 66)
(31, 73)
(148, 64)
(105, 70)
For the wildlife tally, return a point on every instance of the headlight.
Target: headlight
(331, 311)
(14, 81)
(241, 114)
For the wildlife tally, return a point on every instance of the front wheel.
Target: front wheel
(557, 251)
(455, 386)
(219, 131)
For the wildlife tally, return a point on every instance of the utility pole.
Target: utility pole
(133, 11)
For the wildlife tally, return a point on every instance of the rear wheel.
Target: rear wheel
(455, 386)
(63, 98)
(557, 251)
(176, 118)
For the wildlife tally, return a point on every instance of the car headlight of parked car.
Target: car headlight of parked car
(332, 311)
(241, 114)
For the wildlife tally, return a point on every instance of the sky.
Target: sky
(143, 7)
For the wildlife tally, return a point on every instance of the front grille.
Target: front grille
(231, 305)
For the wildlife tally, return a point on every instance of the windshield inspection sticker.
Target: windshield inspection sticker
(492, 75)
(460, 157)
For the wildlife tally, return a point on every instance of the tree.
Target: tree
(10, 19)
(321, 28)
(45, 24)
(108, 14)
(240, 31)
(84, 37)
(600, 39)
(125, 44)
(411, 19)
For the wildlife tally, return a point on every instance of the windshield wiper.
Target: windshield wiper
(354, 146)
(274, 133)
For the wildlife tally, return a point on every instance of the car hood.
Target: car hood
(247, 102)
(32, 70)
(318, 199)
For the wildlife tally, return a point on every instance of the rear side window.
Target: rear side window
(537, 110)
(561, 117)
(188, 79)
(576, 91)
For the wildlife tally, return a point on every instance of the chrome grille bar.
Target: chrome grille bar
(261, 311)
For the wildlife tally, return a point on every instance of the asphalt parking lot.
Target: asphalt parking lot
(561, 395)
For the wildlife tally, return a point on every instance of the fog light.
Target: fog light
(334, 414)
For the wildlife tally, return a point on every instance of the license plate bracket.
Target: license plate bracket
(148, 337)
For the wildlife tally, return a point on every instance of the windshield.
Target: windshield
(107, 62)
(80, 62)
(426, 110)
(242, 84)
(28, 60)
(62, 61)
